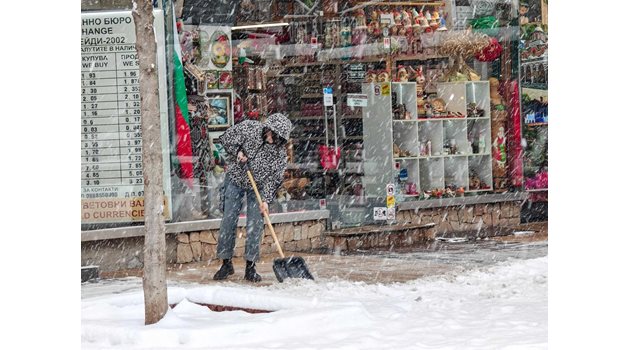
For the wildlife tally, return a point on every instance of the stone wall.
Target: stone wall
(296, 236)
(308, 236)
(489, 219)
(121, 253)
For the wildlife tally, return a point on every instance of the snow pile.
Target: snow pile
(504, 306)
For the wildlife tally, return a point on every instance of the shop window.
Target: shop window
(389, 103)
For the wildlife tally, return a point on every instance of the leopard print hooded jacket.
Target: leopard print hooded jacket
(266, 161)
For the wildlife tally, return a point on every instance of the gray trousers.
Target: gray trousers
(231, 209)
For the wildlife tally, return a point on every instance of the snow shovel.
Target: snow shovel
(291, 267)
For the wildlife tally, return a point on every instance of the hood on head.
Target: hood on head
(280, 125)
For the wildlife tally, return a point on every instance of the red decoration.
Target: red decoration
(515, 148)
(329, 157)
(490, 52)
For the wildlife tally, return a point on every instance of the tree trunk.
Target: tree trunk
(154, 277)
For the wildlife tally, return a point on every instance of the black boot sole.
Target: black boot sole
(254, 279)
(218, 278)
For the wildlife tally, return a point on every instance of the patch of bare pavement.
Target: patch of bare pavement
(444, 255)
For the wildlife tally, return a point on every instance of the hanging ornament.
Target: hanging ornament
(491, 52)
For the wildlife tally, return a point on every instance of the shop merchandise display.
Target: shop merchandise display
(434, 74)
(440, 156)
(406, 60)
(207, 60)
(534, 82)
(346, 48)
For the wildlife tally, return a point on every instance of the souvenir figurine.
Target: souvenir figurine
(376, 26)
(283, 197)
(435, 20)
(428, 110)
(442, 26)
(373, 24)
(396, 151)
(424, 23)
(417, 29)
(402, 74)
(383, 77)
(436, 193)
(371, 77)
(301, 35)
(359, 16)
(499, 152)
(397, 23)
(430, 20)
(438, 106)
(522, 11)
(421, 107)
(474, 183)
(420, 80)
(482, 143)
(412, 189)
(406, 22)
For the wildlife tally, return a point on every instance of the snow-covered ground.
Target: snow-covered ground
(502, 306)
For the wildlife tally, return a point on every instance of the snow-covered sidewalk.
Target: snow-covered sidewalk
(500, 306)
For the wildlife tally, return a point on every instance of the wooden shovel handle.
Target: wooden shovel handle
(267, 220)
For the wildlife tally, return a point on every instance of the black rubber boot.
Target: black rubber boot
(250, 272)
(226, 269)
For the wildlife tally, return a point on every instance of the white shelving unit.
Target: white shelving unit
(440, 168)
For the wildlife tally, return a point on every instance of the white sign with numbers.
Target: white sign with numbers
(112, 182)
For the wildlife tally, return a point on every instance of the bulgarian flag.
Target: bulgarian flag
(182, 121)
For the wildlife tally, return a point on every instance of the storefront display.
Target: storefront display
(534, 78)
(408, 94)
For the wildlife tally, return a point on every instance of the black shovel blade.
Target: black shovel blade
(291, 267)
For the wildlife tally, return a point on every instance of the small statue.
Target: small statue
(474, 183)
(283, 195)
(422, 111)
(371, 77)
(430, 21)
(383, 77)
(438, 106)
(442, 26)
(499, 149)
(435, 20)
(402, 74)
(360, 18)
(396, 151)
(397, 25)
(406, 22)
(424, 23)
(522, 11)
(374, 27)
(420, 80)
(417, 29)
